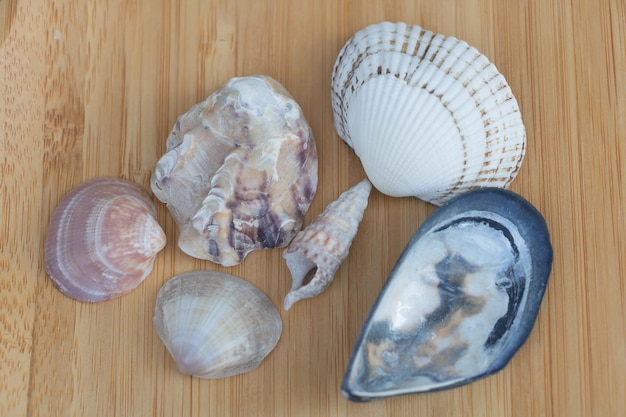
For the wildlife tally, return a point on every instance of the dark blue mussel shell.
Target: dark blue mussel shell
(460, 301)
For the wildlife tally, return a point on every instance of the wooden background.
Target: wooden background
(92, 88)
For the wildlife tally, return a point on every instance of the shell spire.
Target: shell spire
(316, 252)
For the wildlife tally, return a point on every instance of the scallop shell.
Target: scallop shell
(460, 301)
(317, 252)
(240, 171)
(102, 240)
(428, 115)
(215, 325)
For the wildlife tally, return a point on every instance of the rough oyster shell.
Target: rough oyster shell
(428, 115)
(460, 301)
(215, 325)
(102, 240)
(240, 171)
(317, 252)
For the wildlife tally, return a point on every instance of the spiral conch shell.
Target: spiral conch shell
(103, 239)
(240, 171)
(215, 325)
(317, 252)
(428, 115)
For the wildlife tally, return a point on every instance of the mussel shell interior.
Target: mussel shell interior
(460, 301)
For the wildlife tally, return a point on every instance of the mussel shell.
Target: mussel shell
(461, 300)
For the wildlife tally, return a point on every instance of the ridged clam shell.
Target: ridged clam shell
(317, 252)
(102, 240)
(460, 301)
(215, 325)
(240, 171)
(428, 115)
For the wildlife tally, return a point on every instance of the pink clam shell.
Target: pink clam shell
(103, 239)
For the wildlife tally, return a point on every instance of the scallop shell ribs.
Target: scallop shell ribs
(428, 115)
(240, 171)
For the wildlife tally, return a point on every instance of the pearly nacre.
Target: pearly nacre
(240, 171)
(460, 301)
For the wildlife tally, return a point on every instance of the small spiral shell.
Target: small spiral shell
(317, 252)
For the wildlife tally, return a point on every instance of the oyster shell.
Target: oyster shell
(215, 325)
(240, 171)
(428, 115)
(317, 252)
(102, 240)
(460, 301)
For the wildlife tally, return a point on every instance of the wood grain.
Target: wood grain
(92, 88)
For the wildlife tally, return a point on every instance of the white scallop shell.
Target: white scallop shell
(215, 325)
(317, 251)
(428, 115)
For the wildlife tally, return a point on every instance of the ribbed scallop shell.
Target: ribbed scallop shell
(240, 171)
(317, 252)
(102, 240)
(215, 325)
(428, 115)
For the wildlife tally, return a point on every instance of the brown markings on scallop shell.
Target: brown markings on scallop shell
(434, 67)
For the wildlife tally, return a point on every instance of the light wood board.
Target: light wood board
(92, 88)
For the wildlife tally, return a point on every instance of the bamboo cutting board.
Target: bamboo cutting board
(92, 88)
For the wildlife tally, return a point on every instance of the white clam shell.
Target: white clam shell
(428, 115)
(215, 325)
(240, 171)
(102, 240)
(317, 251)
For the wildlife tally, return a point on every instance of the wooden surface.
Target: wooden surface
(92, 88)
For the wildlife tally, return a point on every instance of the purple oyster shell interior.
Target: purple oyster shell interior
(240, 171)
(460, 301)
